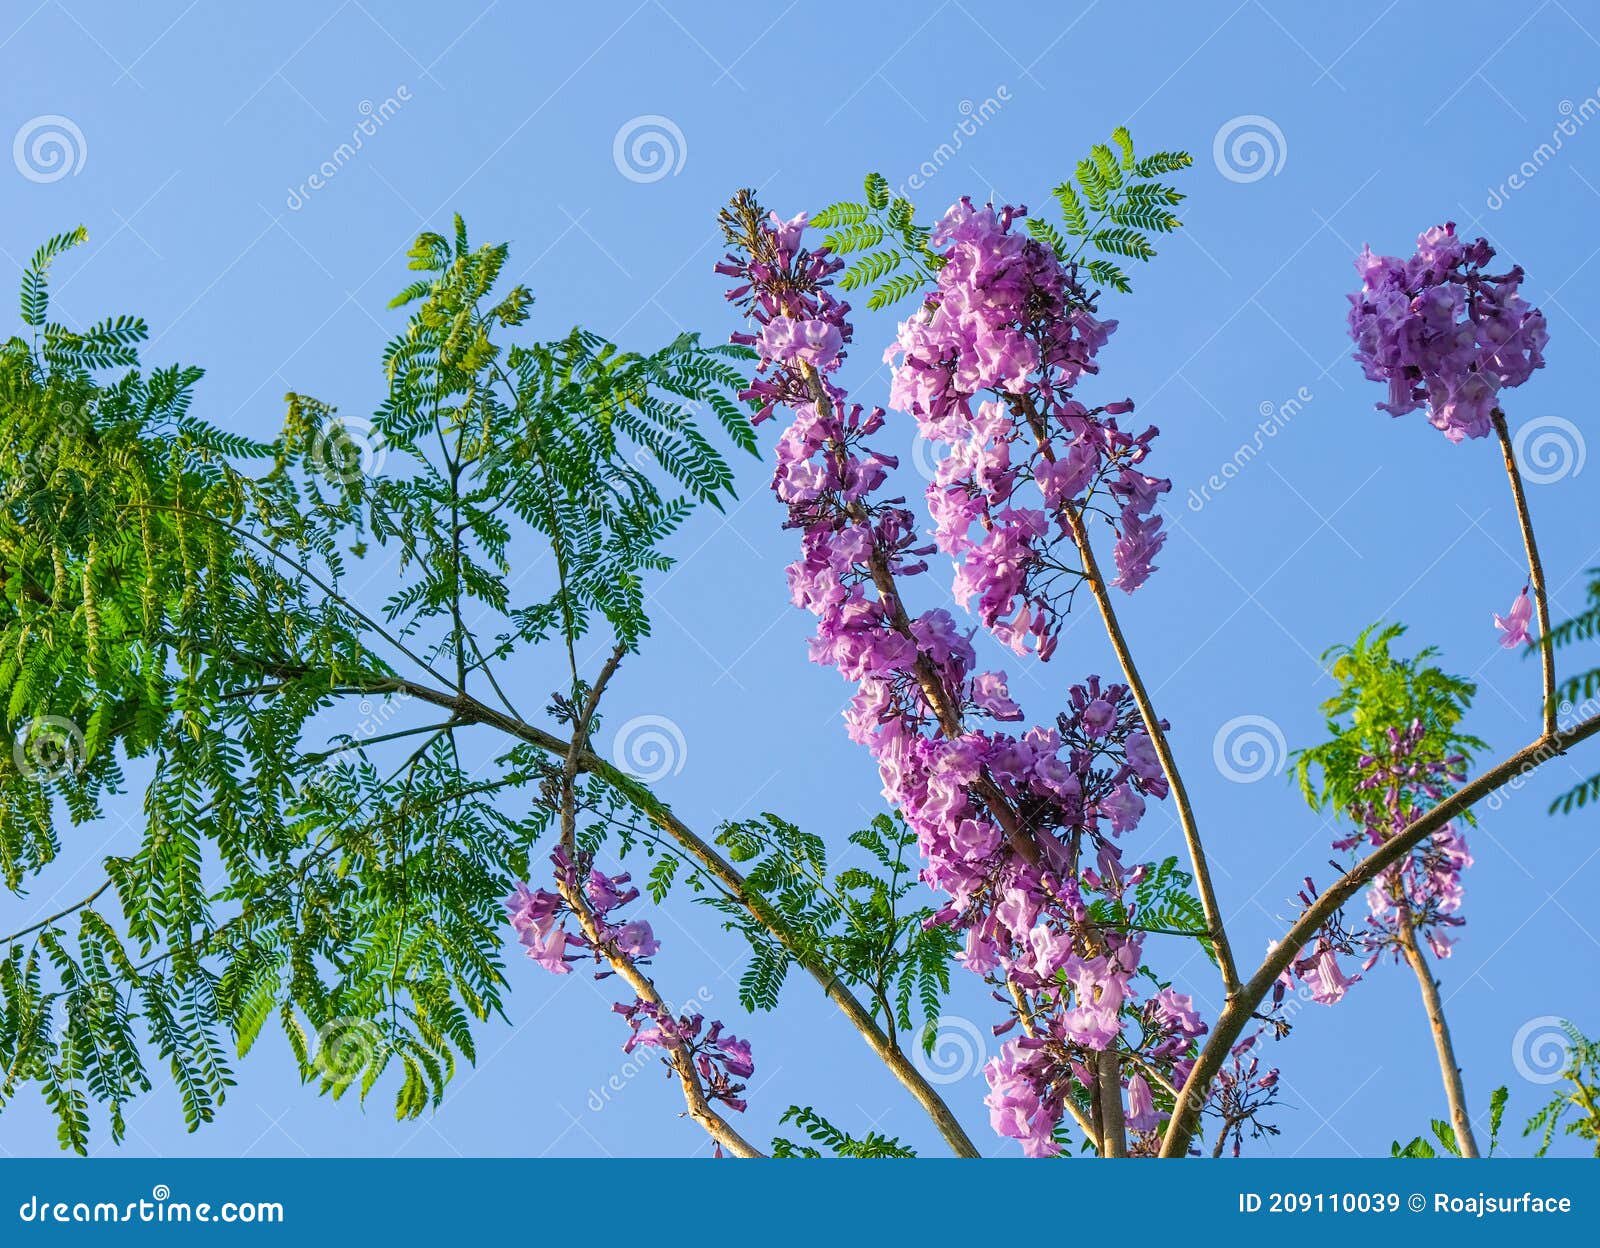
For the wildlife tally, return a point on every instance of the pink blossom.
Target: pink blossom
(1514, 625)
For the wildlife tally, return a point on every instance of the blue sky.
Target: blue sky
(194, 130)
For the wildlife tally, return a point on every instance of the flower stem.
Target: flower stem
(1547, 656)
(1169, 765)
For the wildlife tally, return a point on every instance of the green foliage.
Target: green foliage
(1578, 695)
(1117, 202)
(1575, 1107)
(1114, 206)
(1445, 1135)
(883, 237)
(855, 922)
(822, 1132)
(1497, 1116)
(1379, 690)
(1162, 903)
(316, 847)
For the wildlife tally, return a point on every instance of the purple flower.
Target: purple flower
(1515, 622)
(549, 951)
(1142, 1114)
(1442, 333)
(788, 341)
(636, 939)
(1098, 718)
(1123, 807)
(1327, 980)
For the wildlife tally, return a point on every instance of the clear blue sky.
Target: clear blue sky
(200, 123)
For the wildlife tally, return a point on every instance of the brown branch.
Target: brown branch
(1147, 712)
(682, 1063)
(1547, 656)
(1238, 1012)
(47, 921)
(1454, 1092)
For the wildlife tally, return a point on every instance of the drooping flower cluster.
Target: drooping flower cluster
(1443, 333)
(1020, 831)
(720, 1058)
(539, 917)
(987, 366)
(1242, 1091)
(1422, 891)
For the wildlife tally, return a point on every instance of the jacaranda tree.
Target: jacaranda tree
(342, 806)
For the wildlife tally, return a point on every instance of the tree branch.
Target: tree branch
(1238, 1012)
(1454, 1092)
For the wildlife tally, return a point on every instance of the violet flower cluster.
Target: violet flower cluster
(1443, 333)
(1423, 889)
(1019, 830)
(1422, 892)
(538, 917)
(719, 1058)
(987, 367)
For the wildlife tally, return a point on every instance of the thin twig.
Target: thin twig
(1547, 655)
